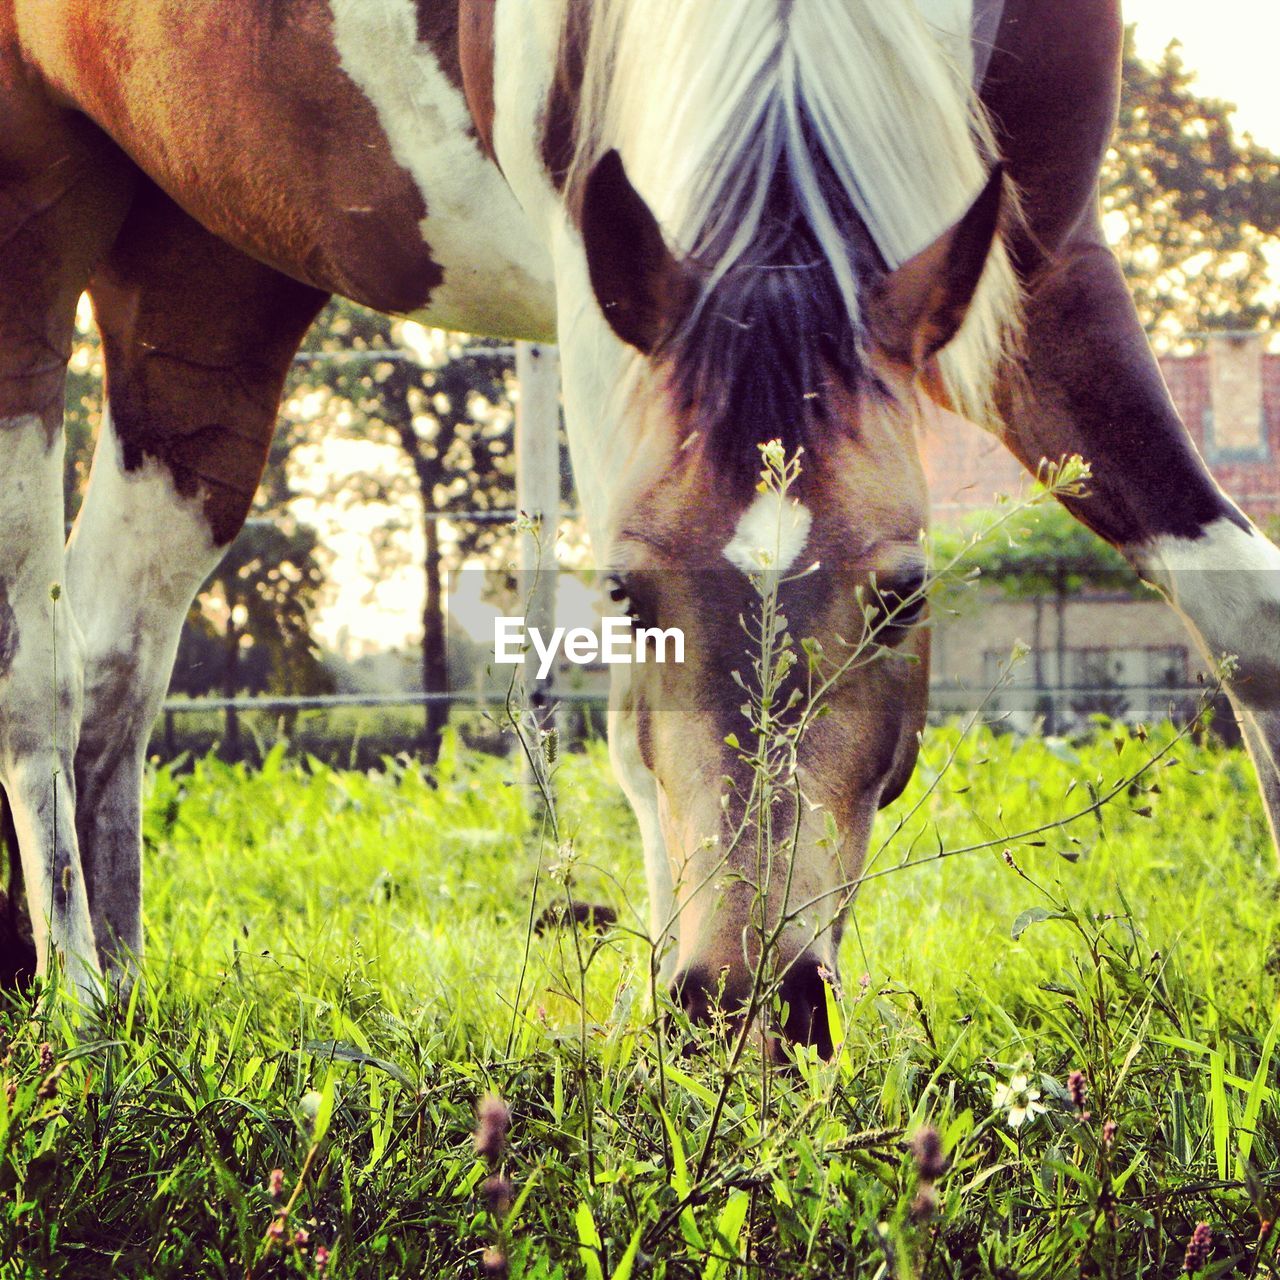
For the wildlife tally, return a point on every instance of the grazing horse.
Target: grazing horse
(742, 221)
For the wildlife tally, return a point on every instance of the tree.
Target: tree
(1189, 204)
(447, 412)
(1042, 554)
(250, 626)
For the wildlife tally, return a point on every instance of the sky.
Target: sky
(1231, 44)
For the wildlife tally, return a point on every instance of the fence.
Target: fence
(580, 713)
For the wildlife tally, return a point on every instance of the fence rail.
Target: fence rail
(1018, 707)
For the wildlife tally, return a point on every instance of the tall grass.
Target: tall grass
(1055, 1049)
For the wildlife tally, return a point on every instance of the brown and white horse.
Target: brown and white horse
(741, 219)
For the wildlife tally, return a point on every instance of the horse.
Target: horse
(776, 220)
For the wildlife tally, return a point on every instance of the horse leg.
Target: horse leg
(641, 790)
(1091, 386)
(197, 339)
(64, 189)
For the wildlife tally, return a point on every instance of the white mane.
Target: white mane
(704, 98)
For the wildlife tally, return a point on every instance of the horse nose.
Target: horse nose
(704, 993)
(803, 992)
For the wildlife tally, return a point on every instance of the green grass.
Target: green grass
(341, 965)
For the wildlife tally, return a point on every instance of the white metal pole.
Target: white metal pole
(538, 496)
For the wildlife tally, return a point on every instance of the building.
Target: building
(1095, 651)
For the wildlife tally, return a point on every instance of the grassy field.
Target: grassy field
(342, 966)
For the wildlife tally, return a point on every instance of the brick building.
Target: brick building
(1094, 651)
(1228, 395)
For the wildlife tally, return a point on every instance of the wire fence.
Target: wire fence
(365, 728)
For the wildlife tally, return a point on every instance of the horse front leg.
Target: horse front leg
(41, 695)
(1090, 385)
(197, 340)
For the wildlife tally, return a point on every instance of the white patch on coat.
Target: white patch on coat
(497, 275)
(770, 536)
(1226, 584)
(137, 555)
(40, 697)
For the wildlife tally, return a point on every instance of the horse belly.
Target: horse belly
(330, 143)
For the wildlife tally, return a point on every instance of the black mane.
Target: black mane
(755, 359)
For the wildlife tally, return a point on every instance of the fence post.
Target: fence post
(538, 498)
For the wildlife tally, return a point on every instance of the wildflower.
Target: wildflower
(1079, 1092)
(300, 1238)
(865, 983)
(925, 1205)
(1109, 1134)
(494, 1263)
(1198, 1248)
(832, 980)
(322, 1260)
(498, 1194)
(493, 1119)
(309, 1105)
(926, 1147)
(46, 1058)
(275, 1232)
(49, 1085)
(1020, 1098)
(275, 1184)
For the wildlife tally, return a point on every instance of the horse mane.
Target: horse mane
(794, 150)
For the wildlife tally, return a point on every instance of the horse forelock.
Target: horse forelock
(757, 357)
(792, 155)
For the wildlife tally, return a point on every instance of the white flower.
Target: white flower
(1020, 1098)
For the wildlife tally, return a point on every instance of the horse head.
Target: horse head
(758, 848)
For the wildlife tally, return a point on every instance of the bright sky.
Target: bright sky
(1231, 44)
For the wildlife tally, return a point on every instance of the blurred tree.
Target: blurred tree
(1190, 205)
(255, 610)
(1044, 556)
(83, 409)
(450, 422)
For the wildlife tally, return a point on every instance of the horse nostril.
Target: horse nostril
(804, 994)
(695, 992)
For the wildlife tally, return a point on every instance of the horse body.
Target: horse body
(766, 228)
(330, 142)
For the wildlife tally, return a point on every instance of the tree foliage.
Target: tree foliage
(1190, 204)
(444, 418)
(1040, 552)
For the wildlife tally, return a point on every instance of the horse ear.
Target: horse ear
(641, 286)
(917, 309)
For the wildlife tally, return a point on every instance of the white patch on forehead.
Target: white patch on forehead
(497, 273)
(771, 535)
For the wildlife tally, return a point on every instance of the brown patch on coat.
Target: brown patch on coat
(259, 132)
(559, 125)
(438, 27)
(198, 339)
(476, 48)
(63, 191)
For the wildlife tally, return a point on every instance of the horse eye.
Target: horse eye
(616, 589)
